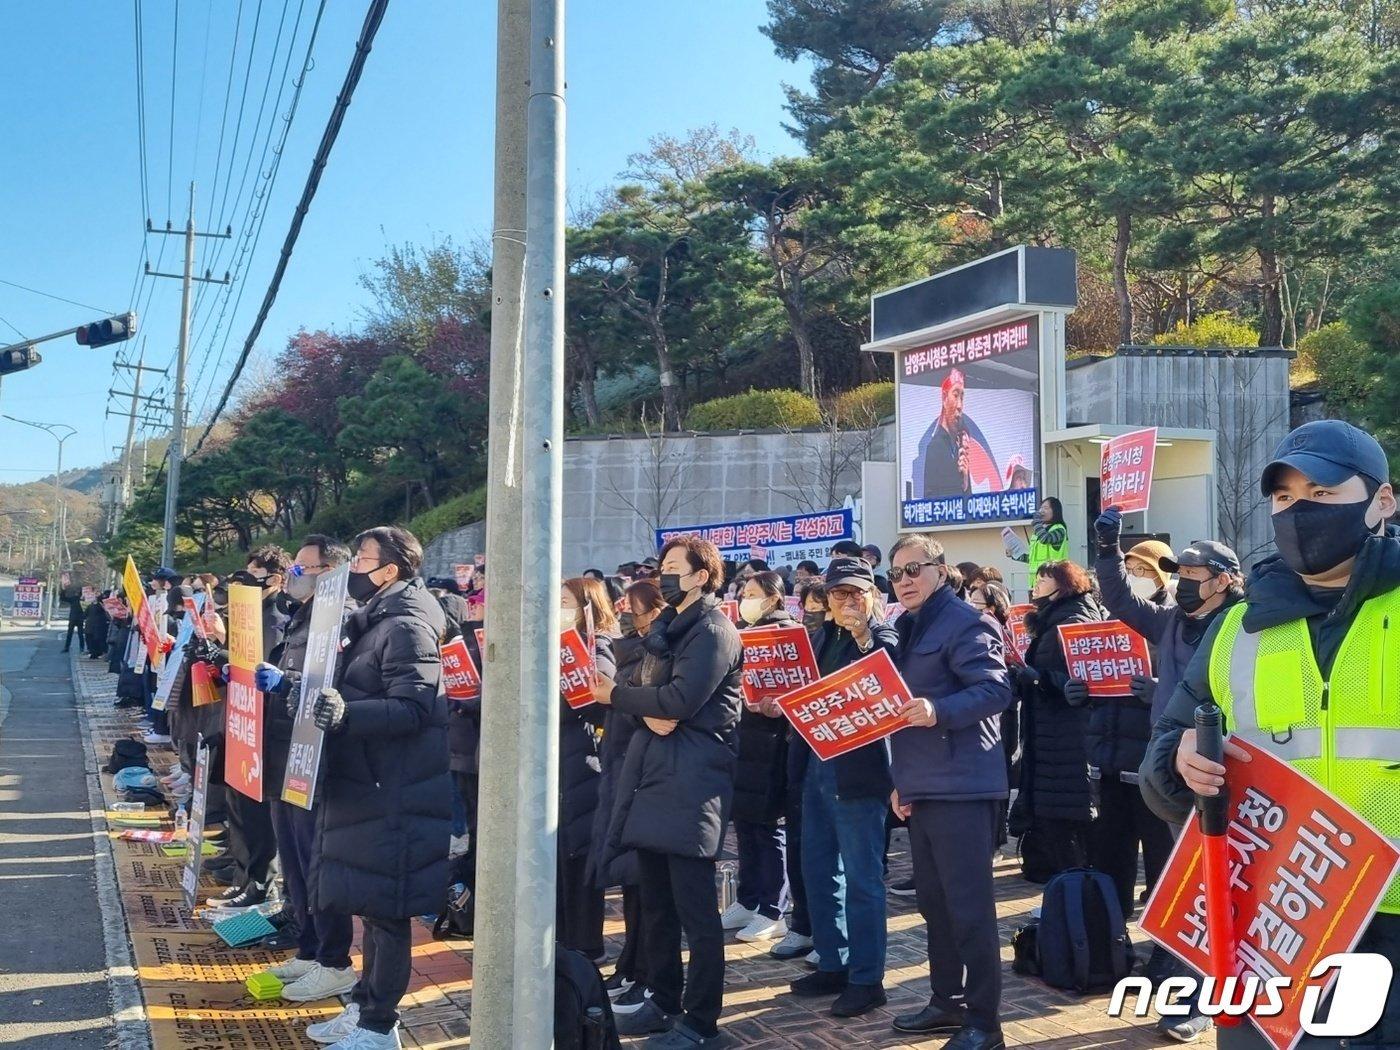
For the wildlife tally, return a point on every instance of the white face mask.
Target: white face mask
(751, 609)
(1142, 587)
(567, 617)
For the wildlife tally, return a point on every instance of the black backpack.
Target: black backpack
(458, 919)
(1081, 942)
(125, 754)
(583, 1017)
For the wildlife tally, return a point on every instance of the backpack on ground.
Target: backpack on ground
(1081, 941)
(458, 919)
(583, 1017)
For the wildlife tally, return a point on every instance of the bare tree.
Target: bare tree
(1243, 421)
(821, 478)
(685, 158)
(660, 492)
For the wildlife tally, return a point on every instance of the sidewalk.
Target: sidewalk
(194, 995)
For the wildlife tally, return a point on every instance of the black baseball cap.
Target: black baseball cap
(164, 572)
(852, 572)
(1328, 451)
(1204, 554)
(846, 548)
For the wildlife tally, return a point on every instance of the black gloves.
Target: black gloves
(1144, 689)
(329, 710)
(1108, 527)
(1076, 692)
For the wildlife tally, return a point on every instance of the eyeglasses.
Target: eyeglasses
(845, 595)
(360, 561)
(298, 569)
(911, 570)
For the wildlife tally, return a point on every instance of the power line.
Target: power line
(373, 18)
(174, 64)
(141, 109)
(12, 327)
(223, 122)
(242, 102)
(61, 299)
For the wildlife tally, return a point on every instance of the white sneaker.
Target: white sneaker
(293, 968)
(813, 960)
(364, 1039)
(156, 738)
(457, 846)
(791, 946)
(321, 982)
(735, 917)
(762, 928)
(337, 1028)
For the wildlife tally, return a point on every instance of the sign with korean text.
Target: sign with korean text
(165, 681)
(141, 612)
(784, 541)
(793, 604)
(189, 878)
(1106, 655)
(777, 660)
(115, 609)
(851, 708)
(1125, 470)
(194, 614)
(576, 669)
(205, 685)
(1306, 876)
(1016, 627)
(317, 673)
(29, 599)
(758, 553)
(460, 679)
(243, 722)
(463, 574)
(893, 611)
(89, 595)
(730, 608)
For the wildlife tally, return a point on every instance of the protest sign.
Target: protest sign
(89, 595)
(1106, 655)
(476, 608)
(893, 611)
(165, 681)
(29, 599)
(1013, 544)
(777, 660)
(460, 679)
(205, 685)
(1125, 470)
(757, 553)
(189, 878)
(730, 609)
(481, 642)
(852, 707)
(463, 575)
(576, 669)
(1306, 876)
(243, 723)
(141, 613)
(317, 673)
(1016, 625)
(793, 604)
(115, 609)
(194, 615)
(479, 560)
(784, 541)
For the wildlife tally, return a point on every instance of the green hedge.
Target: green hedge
(866, 405)
(451, 514)
(756, 410)
(1220, 329)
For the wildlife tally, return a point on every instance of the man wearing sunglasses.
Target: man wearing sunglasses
(949, 772)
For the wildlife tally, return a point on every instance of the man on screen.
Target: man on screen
(957, 457)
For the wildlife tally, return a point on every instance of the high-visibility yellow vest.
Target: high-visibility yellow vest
(1342, 731)
(1039, 552)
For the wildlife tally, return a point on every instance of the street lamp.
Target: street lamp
(52, 430)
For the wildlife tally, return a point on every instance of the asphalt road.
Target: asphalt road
(53, 986)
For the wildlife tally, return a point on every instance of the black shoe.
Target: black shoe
(283, 917)
(648, 1020)
(969, 1038)
(285, 939)
(930, 1019)
(253, 894)
(859, 999)
(618, 985)
(823, 982)
(226, 876)
(904, 888)
(631, 1000)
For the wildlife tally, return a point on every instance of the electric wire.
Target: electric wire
(61, 299)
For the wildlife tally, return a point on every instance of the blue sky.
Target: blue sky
(413, 161)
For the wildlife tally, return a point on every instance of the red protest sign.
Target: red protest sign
(1125, 470)
(893, 611)
(852, 707)
(243, 714)
(793, 604)
(1306, 876)
(576, 671)
(777, 660)
(730, 609)
(480, 640)
(1016, 625)
(464, 574)
(192, 613)
(1106, 655)
(460, 679)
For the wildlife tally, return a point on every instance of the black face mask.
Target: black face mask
(1314, 538)
(813, 620)
(671, 588)
(1188, 595)
(361, 587)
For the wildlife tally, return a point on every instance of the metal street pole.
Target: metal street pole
(542, 488)
(498, 898)
(51, 429)
(177, 412)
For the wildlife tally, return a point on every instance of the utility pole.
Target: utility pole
(124, 492)
(52, 430)
(499, 899)
(177, 410)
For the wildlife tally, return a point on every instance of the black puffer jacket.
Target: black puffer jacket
(1055, 760)
(760, 782)
(675, 791)
(579, 768)
(385, 815)
(619, 870)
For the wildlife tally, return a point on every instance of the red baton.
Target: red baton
(1214, 813)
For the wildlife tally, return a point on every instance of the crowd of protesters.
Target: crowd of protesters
(998, 743)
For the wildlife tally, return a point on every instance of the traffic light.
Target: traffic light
(17, 359)
(111, 330)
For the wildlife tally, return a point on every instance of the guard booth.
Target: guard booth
(981, 435)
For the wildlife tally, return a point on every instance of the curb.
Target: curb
(129, 1018)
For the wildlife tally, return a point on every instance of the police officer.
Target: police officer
(1327, 600)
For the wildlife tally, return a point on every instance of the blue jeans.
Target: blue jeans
(843, 849)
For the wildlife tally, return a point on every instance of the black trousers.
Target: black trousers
(252, 842)
(578, 914)
(799, 922)
(678, 896)
(1124, 822)
(952, 845)
(388, 952)
(464, 867)
(324, 938)
(75, 625)
(632, 963)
